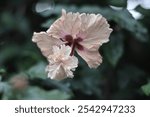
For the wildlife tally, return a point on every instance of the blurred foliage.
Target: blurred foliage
(124, 73)
(146, 89)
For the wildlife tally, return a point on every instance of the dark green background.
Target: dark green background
(124, 73)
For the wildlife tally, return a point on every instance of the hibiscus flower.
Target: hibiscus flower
(84, 33)
(61, 64)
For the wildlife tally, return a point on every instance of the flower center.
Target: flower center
(73, 43)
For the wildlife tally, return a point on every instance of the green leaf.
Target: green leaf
(128, 75)
(34, 93)
(126, 21)
(114, 49)
(86, 81)
(8, 53)
(37, 93)
(37, 71)
(146, 89)
(2, 71)
(16, 21)
(143, 11)
(48, 23)
(6, 90)
(118, 3)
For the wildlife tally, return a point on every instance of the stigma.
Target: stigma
(74, 43)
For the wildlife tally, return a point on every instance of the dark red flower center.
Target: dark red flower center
(74, 43)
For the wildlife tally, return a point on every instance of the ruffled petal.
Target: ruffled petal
(61, 64)
(94, 30)
(92, 58)
(71, 62)
(67, 24)
(70, 65)
(45, 42)
(56, 71)
(59, 53)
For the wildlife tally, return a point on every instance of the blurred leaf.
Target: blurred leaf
(118, 3)
(129, 75)
(22, 61)
(5, 89)
(146, 89)
(2, 71)
(142, 10)
(37, 71)
(129, 80)
(8, 52)
(57, 10)
(45, 5)
(17, 22)
(126, 21)
(7, 20)
(86, 81)
(114, 49)
(48, 23)
(37, 93)
(49, 84)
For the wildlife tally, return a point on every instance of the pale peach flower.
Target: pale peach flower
(45, 42)
(84, 33)
(61, 64)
